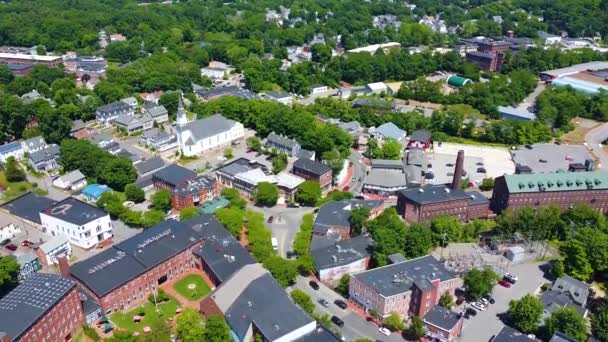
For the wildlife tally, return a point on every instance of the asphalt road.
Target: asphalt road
(356, 183)
(354, 325)
(594, 140)
(487, 323)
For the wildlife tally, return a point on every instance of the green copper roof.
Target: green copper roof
(560, 181)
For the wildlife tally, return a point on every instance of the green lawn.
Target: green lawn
(192, 287)
(150, 318)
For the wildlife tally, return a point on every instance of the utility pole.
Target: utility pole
(443, 237)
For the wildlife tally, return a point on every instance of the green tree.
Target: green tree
(216, 329)
(9, 270)
(599, 324)
(135, 193)
(334, 160)
(6, 76)
(446, 300)
(394, 322)
(188, 213)
(567, 321)
(234, 197)
(446, 228)
(279, 163)
(321, 53)
(308, 193)
(526, 313)
(254, 143)
(557, 269)
(170, 101)
(267, 194)
(284, 271)
(232, 219)
(303, 300)
(343, 284)
(576, 262)
(416, 329)
(228, 154)
(418, 241)
(117, 173)
(487, 184)
(358, 217)
(391, 149)
(161, 200)
(479, 283)
(190, 326)
(55, 127)
(13, 171)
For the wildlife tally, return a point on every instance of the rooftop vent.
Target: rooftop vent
(521, 185)
(569, 183)
(597, 181)
(579, 182)
(420, 190)
(559, 183)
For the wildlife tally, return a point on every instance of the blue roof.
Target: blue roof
(390, 130)
(589, 88)
(15, 145)
(95, 190)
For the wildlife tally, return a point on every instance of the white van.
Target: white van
(275, 243)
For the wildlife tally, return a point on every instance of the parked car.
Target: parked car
(529, 147)
(484, 301)
(293, 205)
(340, 303)
(504, 283)
(481, 170)
(313, 284)
(337, 321)
(323, 302)
(490, 299)
(5, 242)
(11, 247)
(541, 160)
(470, 312)
(479, 306)
(479, 163)
(291, 254)
(270, 219)
(384, 331)
(449, 164)
(27, 243)
(511, 278)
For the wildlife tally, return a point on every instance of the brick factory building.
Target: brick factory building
(171, 177)
(29, 60)
(123, 276)
(46, 307)
(410, 287)
(315, 171)
(564, 189)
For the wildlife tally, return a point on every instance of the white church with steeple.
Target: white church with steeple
(200, 136)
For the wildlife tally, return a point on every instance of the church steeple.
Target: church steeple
(182, 118)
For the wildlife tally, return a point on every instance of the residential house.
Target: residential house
(317, 89)
(513, 113)
(27, 208)
(386, 131)
(564, 293)
(131, 101)
(441, 324)
(508, 334)
(211, 133)
(435, 24)
(283, 144)
(34, 144)
(549, 39)
(106, 114)
(420, 139)
(158, 139)
(49, 251)
(93, 192)
(158, 113)
(388, 177)
(83, 224)
(280, 97)
(81, 131)
(217, 70)
(409, 288)
(29, 264)
(12, 149)
(386, 20)
(149, 166)
(314, 170)
(73, 180)
(131, 124)
(352, 127)
(46, 159)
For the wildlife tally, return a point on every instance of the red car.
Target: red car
(505, 283)
(249, 150)
(11, 247)
(26, 243)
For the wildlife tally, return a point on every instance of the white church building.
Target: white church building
(204, 135)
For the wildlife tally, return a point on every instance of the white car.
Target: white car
(479, 306)
(384, 331)
(512, 278)
(484, 301)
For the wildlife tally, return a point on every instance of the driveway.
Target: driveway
(46, 183)
(594, 139)
(354, 325)
(285, 225)
(487, 323)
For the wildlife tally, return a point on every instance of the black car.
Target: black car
(490, 299)
(481, 170)
(340, 303)
(470, 312)
(337, 321)
(291, 254)
(313, 284)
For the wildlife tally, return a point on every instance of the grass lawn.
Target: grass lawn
(150, 318)
(192, 287)
(16, 189)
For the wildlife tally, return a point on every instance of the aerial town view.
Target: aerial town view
(304, 170)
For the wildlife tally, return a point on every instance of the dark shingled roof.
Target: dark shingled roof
(174, 174)
(421, 135)
(441, 317)
(322, 334)
(439, 193)
(25, 304)
(28, 206)
(342, 253)
(508, 334)
(398, 278)
(239, 166)
(337, 213)
(274, 138)
(312, 166)
(75, 211)
(149, 165)
(193, 186)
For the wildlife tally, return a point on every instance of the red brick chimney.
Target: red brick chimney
(64, 266)
(458, 170)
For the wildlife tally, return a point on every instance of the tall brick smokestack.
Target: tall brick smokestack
(64, 265)
(458, 170)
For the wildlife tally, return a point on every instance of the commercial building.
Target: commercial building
(194, 193)
(564, 189)
(172, 176)
(106, 114)
(441, 324)
(342, 257)
(247, 182)
(226, 175)
(29, 60)
(512, 113)
(588, 78)
(27, 207)
(50, 251)
(283, 144)
(280, 97)
(46, 307)
(29, 264)
(490, 54)
(386, 131)
(158, 139)
(315, 171)
(254, 304)
(83, 224)
(410, 288)
(388, 177)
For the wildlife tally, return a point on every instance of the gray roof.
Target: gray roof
(149, 165)
(477, 198)
(561, 337)
(75, 211)
(387, 164)
(157, 111)
(115, 106)
(209, 126)
(156, 134)
(193, 186)
(441, 317)
(337, 213)
(508, 112)
(312, 166)
(508, 334)
(12, 146)
(29, 301)
(390, 130)
(239, 166)
(226, 91)
(396, 258)
(388, 178)
(276, 95)
(125, 119)
(35, 142)
(350, 127)
(342, 253)
(421, 135)
(281, 140)
(72, 177)
(51, 152)
(54, 243)
(28, 206)
(437, 193)
(306, 154)
(321, 334)
(577, 289)
(174, 174)
(399, 278)
(553, 300)
(416, 156)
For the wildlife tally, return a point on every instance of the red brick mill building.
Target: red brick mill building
(194, 193)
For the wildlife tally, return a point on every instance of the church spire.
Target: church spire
(182, 118)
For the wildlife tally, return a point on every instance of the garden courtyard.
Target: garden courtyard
(192, 287)
(145, 316)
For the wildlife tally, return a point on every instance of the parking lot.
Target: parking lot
(495, 160)
(549, 157)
